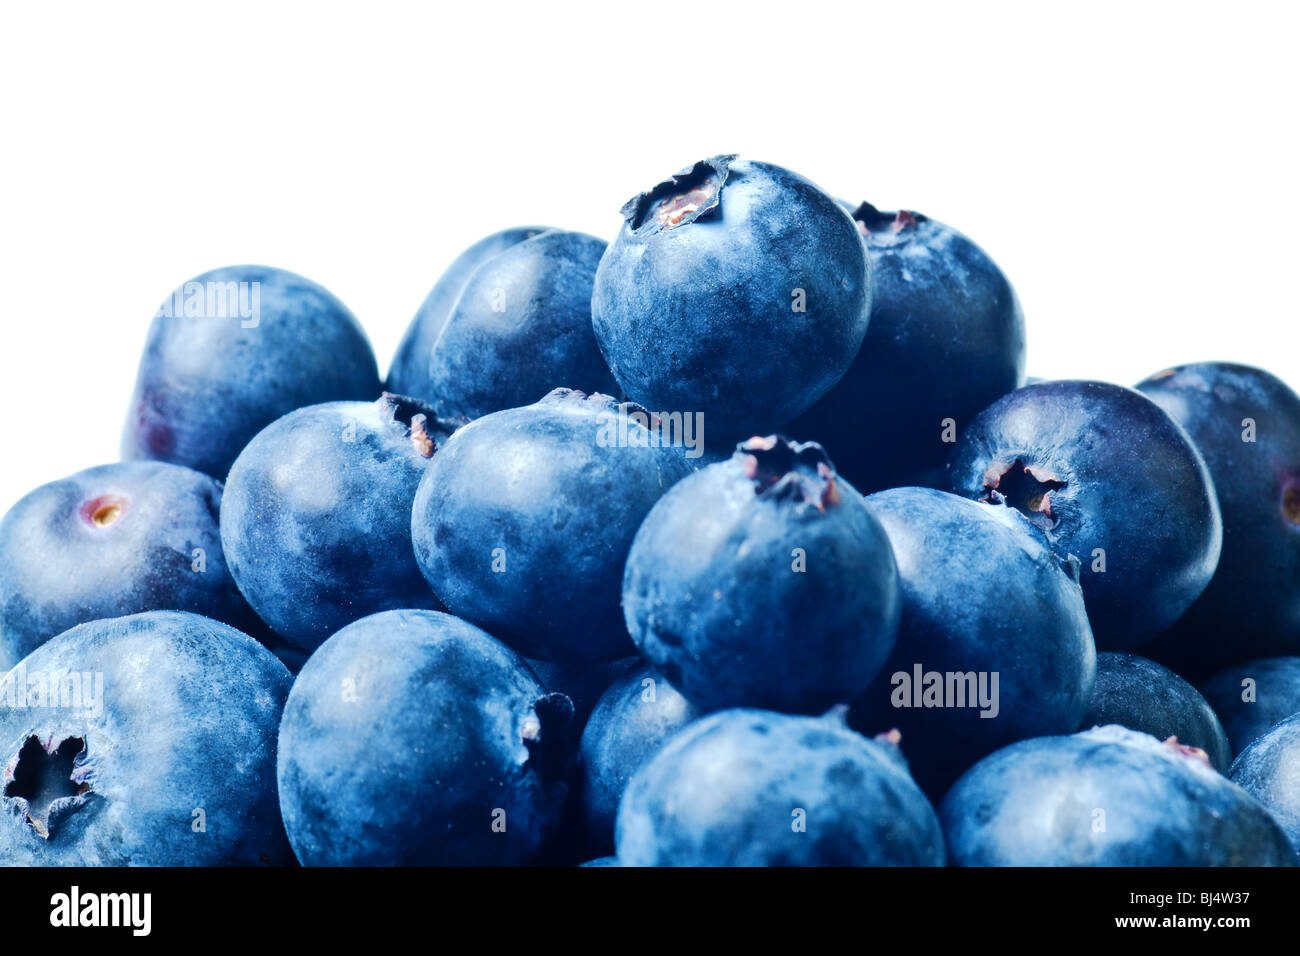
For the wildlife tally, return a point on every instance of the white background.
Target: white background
(1132, 167)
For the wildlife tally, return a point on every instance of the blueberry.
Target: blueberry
(1269, 770)
(412, 737)
(757, 788)
(993, 639)
(631, 722)
(316, 515)
(1246, 423)
(409, 372)
(946, 332)
(737, 288)
(1250, 698)
(1105, 797)
(109, 541)
(151, 743)
(523, 521)
(521, 324)
(1110, 479)
(763, 581)
(582, 682)
(1142, 695)
(230, 352)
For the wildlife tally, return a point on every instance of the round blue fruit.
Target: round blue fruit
(1269, 770)
(1250, 698)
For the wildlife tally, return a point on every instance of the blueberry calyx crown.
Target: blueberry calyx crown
(104, 511)
(1185, 750)
(48, 782)
(687, 195)
(547, 733)
(1028, 490)
(872, 221)
(1291, 503)
(422, 425)
(784, 469)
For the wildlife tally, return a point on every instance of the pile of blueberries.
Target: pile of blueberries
(562, 590)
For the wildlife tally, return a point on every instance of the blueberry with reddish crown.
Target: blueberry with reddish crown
(763, 581)
(316, 517)
(521, 324)
(631, 722)
(735, 288)
(151, 743)
(1110, 479)
(1246, 424)
(231, 351)
(1269, 770)
(111, 541)
(1142, 695)
(757, 788)
(993, 639)
(409, 372)
(411, 738)
(946, 331)
(523, 521)
(1250, 698)
(1105, 797)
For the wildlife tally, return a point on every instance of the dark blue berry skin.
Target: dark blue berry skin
(207, 384)
(763, 581)
(982, 594)
(1105, 797)
(316, 515)
(582, 682)
(629, 725)
(1269, 770)
(521, 325)
(737, 288)
(111, 541)
(1101, 468)
(1142, 695)
(602, 861)
(409, 372)
(946, 331)
(758, 788)
(1251, 607)
(408, 735)
(523, 521)
(1250, 698)
(177, 768)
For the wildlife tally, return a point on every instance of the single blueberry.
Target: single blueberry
(316, 515)
(763, 581)
(1250, 698)
(1111, 480)
(146, 740)
(110, 541)
(758, 788)
(1142, 695)
(993, 639)
(412, 737)
(735, 288)
(231, 351)
(946, 332)
(523, 521)
(1269, 770)
(1246, 424)
(1109, 796)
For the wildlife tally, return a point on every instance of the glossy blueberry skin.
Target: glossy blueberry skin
(316, 515)
(702, 315)
(446, 727)
(1251, 607)
(1040, 803)
(207, 385)
(547, 496)
(409, 372)
(1142, 695)
(1273, 691)
(946, 331)
(763, 581)
(188, 715)
(1029, 628)
(631, 722)
(111, 541)
(1269, 770)
(1100, 466)
(727, 790)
